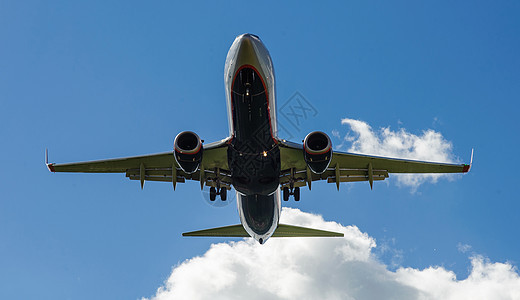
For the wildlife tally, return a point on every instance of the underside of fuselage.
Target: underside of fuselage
(253, 153)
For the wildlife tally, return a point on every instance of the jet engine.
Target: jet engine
(188, 151)
(317, 151)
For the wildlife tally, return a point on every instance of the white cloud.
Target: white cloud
(386, 249)
(336, 133)
(429, 146)
(326, 268)
(463, 248)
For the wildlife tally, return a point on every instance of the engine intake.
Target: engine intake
(188, 151)
(317, 151)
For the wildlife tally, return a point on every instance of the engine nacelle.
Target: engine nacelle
(317, 151)
(188, 151)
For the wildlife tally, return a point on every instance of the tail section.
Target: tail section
(227, 231)
(281, 231)
(297, 231)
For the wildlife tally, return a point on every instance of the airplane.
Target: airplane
(262, 168)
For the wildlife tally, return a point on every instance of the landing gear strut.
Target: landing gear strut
(295, 192)
(214, 191)
(291, 190)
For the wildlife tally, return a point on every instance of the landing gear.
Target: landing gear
(286, 193)
(218, 190)
(291, 189)
(295, 192)
(213, 193)
(223, 194)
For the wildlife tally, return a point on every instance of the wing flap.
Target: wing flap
(346, 175)
(166, 175)
(332, 179)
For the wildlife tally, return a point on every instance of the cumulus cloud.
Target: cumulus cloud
(429, 146)
(326, 268)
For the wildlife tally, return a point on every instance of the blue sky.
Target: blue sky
(93, 80)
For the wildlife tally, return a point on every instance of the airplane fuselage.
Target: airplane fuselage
(253, 152)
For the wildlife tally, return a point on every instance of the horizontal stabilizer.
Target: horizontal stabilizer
(297, 231)
(227, 231)
(281, 231)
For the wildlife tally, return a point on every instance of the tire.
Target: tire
(212, 194)
(286, 194)
(223, 194)
(296, 194)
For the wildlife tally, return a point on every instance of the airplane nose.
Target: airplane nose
(246, 46)
(248, 49)
(250, 35)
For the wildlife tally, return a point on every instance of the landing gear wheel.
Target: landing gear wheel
(212, 194)
(223, 194)
(296, 194)
(286, 194)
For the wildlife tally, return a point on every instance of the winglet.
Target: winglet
(468, 167)
(49, 166)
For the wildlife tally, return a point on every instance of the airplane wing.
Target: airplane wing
(350, 167)
(160, 167)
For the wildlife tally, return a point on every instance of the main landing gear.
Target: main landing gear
(213, 193)
(295, 192)
(218, 190)
(291, 190)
